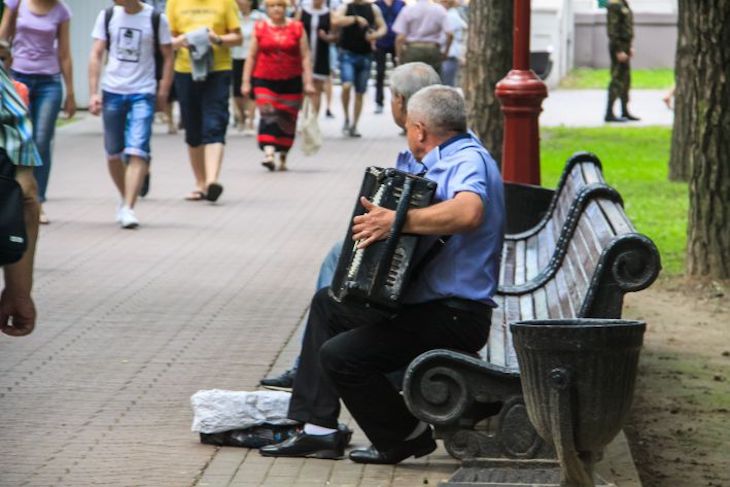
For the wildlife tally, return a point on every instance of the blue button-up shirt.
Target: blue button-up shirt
(468, 265)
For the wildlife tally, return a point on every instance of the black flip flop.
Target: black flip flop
(214, 191)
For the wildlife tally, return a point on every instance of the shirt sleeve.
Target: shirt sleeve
(400, 26)
(12, 4)
(469, 175)
(232, 22)
(165, 36)
(170, 14)
(65, 13)
(98, 31)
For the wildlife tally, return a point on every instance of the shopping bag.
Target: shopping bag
(311, 135)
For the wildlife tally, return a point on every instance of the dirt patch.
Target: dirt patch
(679, 427)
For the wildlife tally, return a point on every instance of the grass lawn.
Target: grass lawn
(635, 163)
(641, 79)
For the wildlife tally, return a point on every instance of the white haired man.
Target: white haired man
(405, 81)
(347, 352)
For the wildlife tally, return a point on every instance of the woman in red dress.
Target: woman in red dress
(279, 72)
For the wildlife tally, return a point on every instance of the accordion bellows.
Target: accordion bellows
(378, 275)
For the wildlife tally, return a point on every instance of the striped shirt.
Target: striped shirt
(16, 133)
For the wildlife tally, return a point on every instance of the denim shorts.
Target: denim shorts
(355, 69)
(204, 107)
(128, 124)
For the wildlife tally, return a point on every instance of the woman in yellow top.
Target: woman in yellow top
(204, 103)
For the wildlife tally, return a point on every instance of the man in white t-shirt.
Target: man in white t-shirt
(129, 90)
(452, 42)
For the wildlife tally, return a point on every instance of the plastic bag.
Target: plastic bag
(311, 135)
(217, 410)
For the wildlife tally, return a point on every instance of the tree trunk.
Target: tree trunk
(684, 98)
(708, 241)
(488, 59)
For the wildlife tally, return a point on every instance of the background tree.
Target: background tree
(708, 241)
(488, 59)
(684, 97)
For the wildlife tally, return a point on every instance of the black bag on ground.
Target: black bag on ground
(13, 239)
(253, 437)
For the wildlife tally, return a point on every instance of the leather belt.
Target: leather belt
(467, 305)
(423, 44)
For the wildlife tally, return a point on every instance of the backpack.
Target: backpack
(13, 239)
(109, 12)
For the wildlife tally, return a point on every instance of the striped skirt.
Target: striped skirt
(278, 102)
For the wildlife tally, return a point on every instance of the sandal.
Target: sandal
(214, 191)
(268, 162)
(196, 195)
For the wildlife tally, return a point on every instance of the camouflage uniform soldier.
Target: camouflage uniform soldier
(620, 26)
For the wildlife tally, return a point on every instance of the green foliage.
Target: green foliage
(635, 163)
(641, 79)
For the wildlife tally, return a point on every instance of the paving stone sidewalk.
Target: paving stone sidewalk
(201, 296)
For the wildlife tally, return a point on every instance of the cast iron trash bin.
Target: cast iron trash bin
(578, 379)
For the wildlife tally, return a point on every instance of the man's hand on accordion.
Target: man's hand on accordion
(372, 226)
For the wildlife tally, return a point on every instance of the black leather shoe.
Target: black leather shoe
(331, 446)
(610, 117)
(417, 447)
(628, 116)
(283, 382)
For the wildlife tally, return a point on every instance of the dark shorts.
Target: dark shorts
(204, 107)
(237, 77)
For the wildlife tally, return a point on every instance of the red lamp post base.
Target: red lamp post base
(521, 93)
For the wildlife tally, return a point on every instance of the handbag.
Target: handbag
(13, 238)
(311, 135)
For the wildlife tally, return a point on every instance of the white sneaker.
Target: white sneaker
(118, 213)
(127, 218)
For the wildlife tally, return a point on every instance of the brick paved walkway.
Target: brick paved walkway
(201, 296)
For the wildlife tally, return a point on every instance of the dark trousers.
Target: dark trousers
(380, 58)
(347, 352)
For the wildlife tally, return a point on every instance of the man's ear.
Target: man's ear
(421, 131)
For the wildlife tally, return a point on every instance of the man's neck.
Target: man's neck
(132, 6)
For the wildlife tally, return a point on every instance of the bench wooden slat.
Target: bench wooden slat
(591, 173)
(564, 301)
(520, 262)
(508, 265)
(546, 246)
(495, 345)
(616, 217)
(553, 301)
(603, 231)
(539, 301)
(532, 267)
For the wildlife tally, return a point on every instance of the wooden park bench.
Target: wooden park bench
(577, 261)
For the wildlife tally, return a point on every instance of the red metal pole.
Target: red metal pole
(521, 93)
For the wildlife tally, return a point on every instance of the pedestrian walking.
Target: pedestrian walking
(131, 32)
(361, 24)
(316, 20)
(18, 156)
(203, 32)
(452, 42)
(620, 28)
(385, 46)
(279, 72)
(419, 30)
(40, 33)
(248, 15)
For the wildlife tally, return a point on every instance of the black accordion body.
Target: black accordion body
(378, 275)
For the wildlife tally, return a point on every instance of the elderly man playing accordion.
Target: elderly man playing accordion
(348, 350)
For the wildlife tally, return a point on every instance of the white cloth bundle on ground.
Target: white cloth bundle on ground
(218, 410)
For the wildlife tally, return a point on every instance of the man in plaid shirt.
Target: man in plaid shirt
(17, 311)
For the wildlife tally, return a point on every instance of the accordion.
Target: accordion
(378, 275)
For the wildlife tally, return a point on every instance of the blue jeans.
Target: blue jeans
(355, 69)
(128, 124)
(46, 95)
